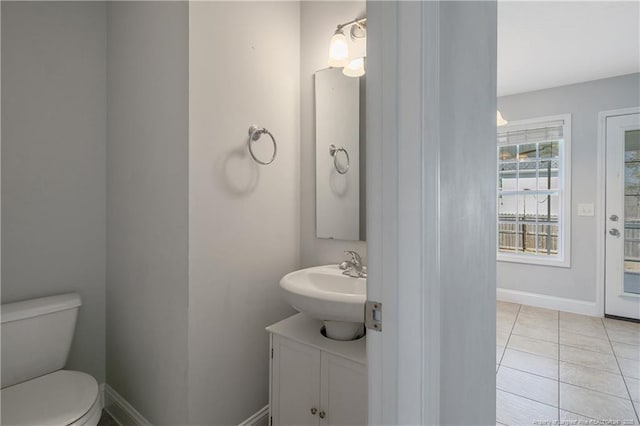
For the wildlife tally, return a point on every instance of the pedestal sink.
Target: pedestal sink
(324, 293)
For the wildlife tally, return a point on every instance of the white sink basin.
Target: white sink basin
(325, 294)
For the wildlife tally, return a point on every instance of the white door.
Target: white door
(622, 273)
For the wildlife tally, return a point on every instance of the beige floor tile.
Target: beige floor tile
(597, 380)
(585, 327)
(585, 319)
(531, 320)
(575, 419)
(504, 322)
(533, 346)
(515, 410)
(501, 338)
(506, 315)
(530, 363)
(589, 359)
(628, 336)
(613, 324)
(630, 367)
(634, 388)
(528, 385)
(541, 313)
(508, 307)
(581, 341)
(499, 352)
(626, 351)
(595, 404)
(539, 331)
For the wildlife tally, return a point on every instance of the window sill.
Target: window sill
(534, 260)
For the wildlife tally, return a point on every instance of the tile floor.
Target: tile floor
(560, 368)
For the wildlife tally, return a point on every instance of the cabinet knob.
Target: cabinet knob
(314, 410)
(321, 414)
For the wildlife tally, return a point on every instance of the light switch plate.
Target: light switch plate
(585, 210)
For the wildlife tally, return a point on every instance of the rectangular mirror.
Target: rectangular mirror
(340, 159)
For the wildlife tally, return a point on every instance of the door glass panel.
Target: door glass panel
(632, 212)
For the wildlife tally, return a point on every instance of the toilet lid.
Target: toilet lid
(58, 398)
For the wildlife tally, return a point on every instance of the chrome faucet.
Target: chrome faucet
(353, 267)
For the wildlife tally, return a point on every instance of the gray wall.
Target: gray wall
(318, 21)
(53, 162)
(584, 101)
(244, 219)
(147, 212)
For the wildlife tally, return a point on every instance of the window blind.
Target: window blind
(543, 132)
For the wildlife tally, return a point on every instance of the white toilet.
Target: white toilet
(36, 337)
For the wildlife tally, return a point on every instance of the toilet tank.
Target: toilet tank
(37, 336)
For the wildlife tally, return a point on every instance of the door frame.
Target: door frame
(418, 71)
(601, 220)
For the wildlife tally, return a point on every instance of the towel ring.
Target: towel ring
(254, 134)
(333, 151)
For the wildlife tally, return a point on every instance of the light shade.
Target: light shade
(499, 120)
(355, 68)
(338, 50)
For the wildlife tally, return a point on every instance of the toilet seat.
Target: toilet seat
(61, 398)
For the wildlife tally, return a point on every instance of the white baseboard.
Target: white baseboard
(101, 390)
(259, 418)
(550, 302)
(121, 410)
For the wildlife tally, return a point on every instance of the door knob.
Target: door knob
(314, 410)
(321, 414)
(613, 218)
(614, 232)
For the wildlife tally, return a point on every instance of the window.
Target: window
(534, 200)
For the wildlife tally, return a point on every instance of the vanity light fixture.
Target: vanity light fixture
(355, 68)
(339, 55)
(338, 50)
(499, 120)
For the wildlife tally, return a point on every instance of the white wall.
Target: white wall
(318, 21)
(244, 219)
(147, 212)
(53, 162)
(584, 101)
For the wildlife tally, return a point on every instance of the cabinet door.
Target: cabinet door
(343, 396)
(295, 388)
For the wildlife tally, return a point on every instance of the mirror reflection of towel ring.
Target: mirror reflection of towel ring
(254, 134)
(333, 151)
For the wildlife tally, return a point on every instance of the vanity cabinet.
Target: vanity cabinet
(315, 380)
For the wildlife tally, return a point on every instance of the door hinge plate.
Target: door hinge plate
(373, 315)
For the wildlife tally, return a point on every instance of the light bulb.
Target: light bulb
(338, 50)
(499, 120)
(355, 68)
